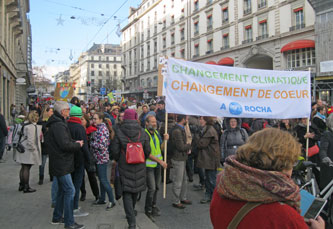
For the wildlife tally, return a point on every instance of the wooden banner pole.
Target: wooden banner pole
(165, 155)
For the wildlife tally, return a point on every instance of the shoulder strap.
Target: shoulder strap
(243, 133)
(241, 214)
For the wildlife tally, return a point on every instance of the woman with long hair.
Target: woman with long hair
(31, 135)
(46, 114)
(91, 169)
(100, 147)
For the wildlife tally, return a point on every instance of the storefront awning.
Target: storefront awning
(298, 45)
(211, 62)
(226, 61)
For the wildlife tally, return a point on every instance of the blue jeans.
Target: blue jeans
(210, 182)
(54, 191)
(65, 200)
(77, 177)
(42, 166)
(104, 183)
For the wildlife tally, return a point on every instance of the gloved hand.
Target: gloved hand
(327, 161)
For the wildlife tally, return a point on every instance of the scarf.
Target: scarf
(75, 120)
(90, 129)
(323, 117)
(244, 183)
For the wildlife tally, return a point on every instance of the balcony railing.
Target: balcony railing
(196, 55)
(196, 33)
(182, 17)
(164, 46)
(209, 52)
(209, 27)
(172, 42)
(247, 11)
(226, 20)
(209, 2)
(182, 38)
(196, 9)
(225, 47)
(262, 4)
(247, 41)
(172, 22)
(296, 27)
(264, 36)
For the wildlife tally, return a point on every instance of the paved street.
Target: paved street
(34, 211)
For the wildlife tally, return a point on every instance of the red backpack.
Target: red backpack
(134, 152)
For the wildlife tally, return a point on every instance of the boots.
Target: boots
(27, 189)
(21, 187)
(41, 179)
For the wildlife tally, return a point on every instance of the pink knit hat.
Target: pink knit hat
(130, 114)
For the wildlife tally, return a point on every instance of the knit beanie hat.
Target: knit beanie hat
(130, 114)
(75, 112)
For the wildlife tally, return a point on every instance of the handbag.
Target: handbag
(313, 150)
(19, 146)
(134, 152)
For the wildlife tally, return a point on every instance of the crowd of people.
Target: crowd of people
(82, 138)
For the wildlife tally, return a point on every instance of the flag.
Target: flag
(122, 99)
(111, 98)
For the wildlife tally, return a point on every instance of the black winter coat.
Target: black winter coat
(319, 123)
(44, 131)
(132, 176)
(3, 127)
(78, 133)
(326, 145)
(61, 146)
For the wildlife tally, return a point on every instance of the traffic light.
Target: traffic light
(88, 83)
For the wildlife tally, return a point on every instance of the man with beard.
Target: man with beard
(178, 160)
(153, 164)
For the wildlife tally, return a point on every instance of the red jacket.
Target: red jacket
(272, 216)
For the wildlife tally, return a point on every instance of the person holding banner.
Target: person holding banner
(179, 157)
(258, 179)
(153, 164)
(208, 155)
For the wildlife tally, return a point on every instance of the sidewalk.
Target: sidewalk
(33, 210)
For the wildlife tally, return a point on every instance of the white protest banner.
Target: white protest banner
(211, 90)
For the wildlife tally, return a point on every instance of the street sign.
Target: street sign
(145, 95)
(103, 91)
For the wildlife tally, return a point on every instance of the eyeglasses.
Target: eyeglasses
(95, 118)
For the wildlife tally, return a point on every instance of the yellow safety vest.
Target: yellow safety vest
(155, 151)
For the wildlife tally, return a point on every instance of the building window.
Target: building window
(99, 73)
(107, 73)
(173, 54)
(263, 32)
(209, 46)
(182, 53)
(196, 50)
(100, 65)
(141, 51)
(299, 19)
(107, 58)
(164, 24)
(248, 34)
(225, 41)
(164, 42)
(247, 7)
(209, 22)
(196, 5)
(115, 73)
(301, 58)
(262, 4)
(225, 16)
(172, 19)
(92, 65)
(155, 80)
(92, 73)
(164, 9)
(92, 82)
(92, 57)
(182, 34)
(155, 62)
(148, 49)
(196, 27)
(107, 65)
(182, 15)
(99, 58)
(172, 38)
(100, 83)
(172, 3)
